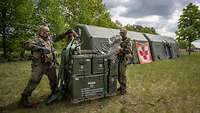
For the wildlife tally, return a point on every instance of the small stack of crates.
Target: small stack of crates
(91, 76)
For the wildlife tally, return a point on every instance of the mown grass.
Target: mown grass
(168, 86)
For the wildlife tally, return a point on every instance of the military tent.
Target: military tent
(171, 47)
(93, 37)
(157, 46)
(96, 38)
(162, 47)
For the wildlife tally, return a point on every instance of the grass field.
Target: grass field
(168, 86)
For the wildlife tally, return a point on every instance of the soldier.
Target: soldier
(43, 62)
(124, 51)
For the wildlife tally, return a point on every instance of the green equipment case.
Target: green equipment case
(94, 86)
(87, 87)
(88, 77)
(80, 65)
(99, 64)
(113, 68)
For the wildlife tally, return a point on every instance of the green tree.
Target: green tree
(141, 29)
(15, 17)
(189, 25)
(119, 24)
(92, 12)
(21, 18)
(50, 12)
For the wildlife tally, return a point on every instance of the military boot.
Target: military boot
(24, 102)
(123, 91)
(53, 92)
(119, 89)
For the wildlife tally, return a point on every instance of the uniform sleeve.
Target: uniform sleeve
(127, 49)
(31, 44)
(58, 37)
(28, 45)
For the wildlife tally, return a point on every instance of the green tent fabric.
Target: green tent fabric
(157, 46)
(94, 37)
(162, 47)
(97, 38)
(173, 44)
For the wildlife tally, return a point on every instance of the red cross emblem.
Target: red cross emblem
(143, 52)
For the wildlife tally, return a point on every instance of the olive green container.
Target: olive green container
(80, 65)
(99, 64)
(87, 87)
(91, 77)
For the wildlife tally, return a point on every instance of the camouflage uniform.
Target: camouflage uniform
(42, 63)
(122, 64)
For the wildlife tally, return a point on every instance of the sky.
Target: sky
(163, 15)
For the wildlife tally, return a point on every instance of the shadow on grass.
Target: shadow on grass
(41, 105)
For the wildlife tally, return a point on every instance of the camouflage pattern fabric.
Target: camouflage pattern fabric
(42, 63)
(37, 73)
(122, 64)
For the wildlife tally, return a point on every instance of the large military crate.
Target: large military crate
(94, 86)
(87, 87)
(80, 65)
(91, 77)
(99, 64)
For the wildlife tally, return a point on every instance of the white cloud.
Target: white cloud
(124, 20)
(163, 15)
(118, 10)
(169, 26)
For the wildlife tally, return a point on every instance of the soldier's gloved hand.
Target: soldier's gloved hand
(45, 50)
(42, 49)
